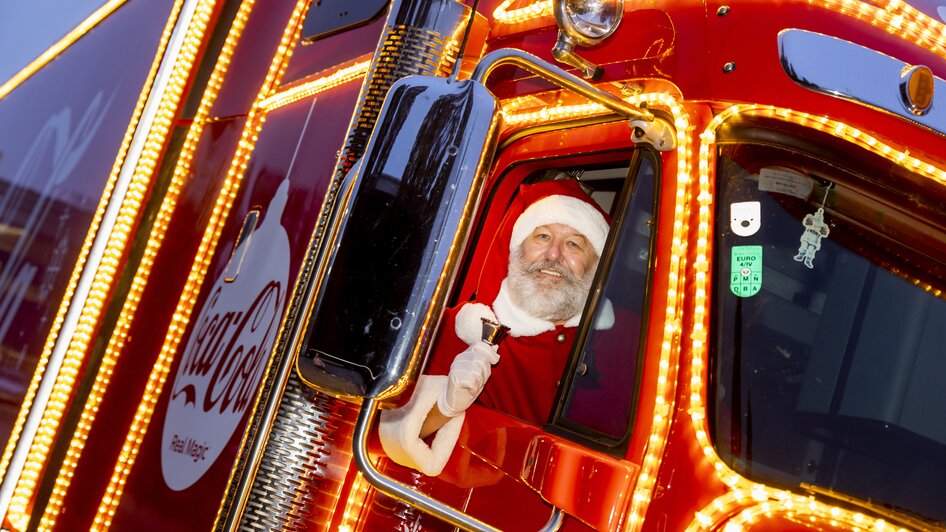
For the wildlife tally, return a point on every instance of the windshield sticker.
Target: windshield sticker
(815, 230)
(746, 278)
(785, 181)
(745, 218)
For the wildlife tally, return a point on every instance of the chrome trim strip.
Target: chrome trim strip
(96, 253)
(853, 72)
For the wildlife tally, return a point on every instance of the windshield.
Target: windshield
(829, 333)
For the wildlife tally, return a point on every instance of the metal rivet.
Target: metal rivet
(729, 67)
(582, 368)
(722, 11)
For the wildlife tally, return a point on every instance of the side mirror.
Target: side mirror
(389, 263)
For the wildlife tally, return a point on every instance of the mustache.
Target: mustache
(552, 266)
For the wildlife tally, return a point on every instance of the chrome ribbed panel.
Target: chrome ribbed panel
(306, 459)
(305, 436)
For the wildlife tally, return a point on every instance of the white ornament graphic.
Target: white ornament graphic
(231, 340)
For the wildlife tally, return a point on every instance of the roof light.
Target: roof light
(584, 23)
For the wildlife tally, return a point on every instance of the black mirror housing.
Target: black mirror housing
(391, 264)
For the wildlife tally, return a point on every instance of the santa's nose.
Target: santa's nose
(554, 251)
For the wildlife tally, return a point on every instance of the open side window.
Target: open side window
(600, 385)
(603, 367)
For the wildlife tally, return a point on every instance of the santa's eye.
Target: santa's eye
(573, 244)
(545, 237)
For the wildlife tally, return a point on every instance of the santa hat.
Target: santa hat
(560, 202)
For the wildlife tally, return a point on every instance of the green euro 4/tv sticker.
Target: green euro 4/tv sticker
(746, 277)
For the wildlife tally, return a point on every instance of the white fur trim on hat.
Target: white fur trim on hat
(469, 322)
(399, 430)
(559, 209)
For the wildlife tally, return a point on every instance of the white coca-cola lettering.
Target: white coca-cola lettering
(232, 369)
(232, 384)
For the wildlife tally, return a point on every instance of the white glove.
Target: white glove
(468, 375)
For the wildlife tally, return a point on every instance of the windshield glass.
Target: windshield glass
(828, 357)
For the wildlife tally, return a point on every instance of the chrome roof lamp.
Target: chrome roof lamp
(584, 23)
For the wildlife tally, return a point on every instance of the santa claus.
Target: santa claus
(535, 280)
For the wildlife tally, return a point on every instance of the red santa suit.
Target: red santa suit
(533, 355)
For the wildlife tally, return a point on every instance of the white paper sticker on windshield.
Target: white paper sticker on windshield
(785, 181)
(745, 217)
(815, 230)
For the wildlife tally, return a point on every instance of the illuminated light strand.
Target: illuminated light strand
(503, 15)
(897, 20)
(107, 270)
(669, 352)
(205, 252)
(119, 335)
(552, 113)
(17, 508)
(316, 86)
(750, 499)
(74, 35)
(356, 501)
(930, 31)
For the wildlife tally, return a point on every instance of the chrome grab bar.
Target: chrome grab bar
(403, 493)
(368, 412)
(270, 405)
(397, 490)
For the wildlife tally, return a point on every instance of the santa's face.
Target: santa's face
(561, 245)
(551, 272)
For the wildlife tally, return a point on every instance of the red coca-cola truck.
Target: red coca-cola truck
(229, 230)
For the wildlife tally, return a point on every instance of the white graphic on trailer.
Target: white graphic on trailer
(226, 353)
(815, 230)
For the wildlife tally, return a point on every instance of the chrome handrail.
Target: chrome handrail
(397, 490)
(403, 493)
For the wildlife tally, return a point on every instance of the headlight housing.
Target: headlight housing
(588, 22)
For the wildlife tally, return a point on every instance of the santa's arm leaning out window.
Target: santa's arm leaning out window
(439, 402)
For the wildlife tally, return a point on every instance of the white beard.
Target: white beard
(559, 302)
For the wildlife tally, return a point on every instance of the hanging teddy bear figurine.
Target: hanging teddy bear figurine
(815, 230)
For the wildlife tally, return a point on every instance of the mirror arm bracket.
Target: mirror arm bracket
(658, 133)
(559, 77)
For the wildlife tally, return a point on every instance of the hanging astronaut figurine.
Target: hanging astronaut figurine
(815, 230)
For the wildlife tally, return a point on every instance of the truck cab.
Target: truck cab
(331, 182)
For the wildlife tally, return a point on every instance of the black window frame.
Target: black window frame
(558, 424)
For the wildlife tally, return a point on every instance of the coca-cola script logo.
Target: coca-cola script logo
(226, 353)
